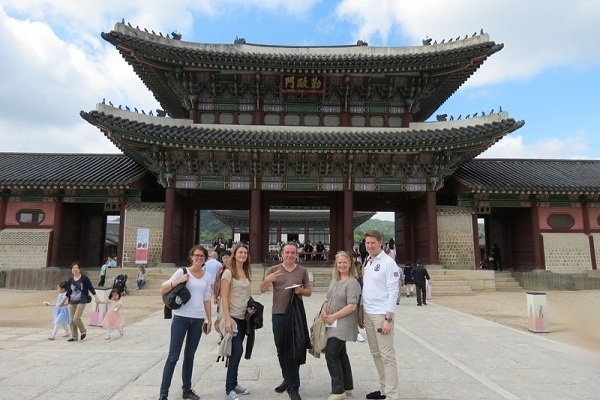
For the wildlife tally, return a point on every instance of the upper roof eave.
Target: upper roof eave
(307, 52)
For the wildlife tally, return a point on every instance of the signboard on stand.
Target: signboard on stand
(141, 249)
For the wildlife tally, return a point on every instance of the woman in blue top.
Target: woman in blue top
(189, 321)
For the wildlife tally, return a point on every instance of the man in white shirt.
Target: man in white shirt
(212, 266)
(379, 296)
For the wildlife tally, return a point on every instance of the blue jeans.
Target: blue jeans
(180, 328)
(237, 349)
(140, 283)
(290, 369)
(338, 365)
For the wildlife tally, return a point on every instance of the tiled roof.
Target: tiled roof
(75, 170)
(568, 176)
(154, 57)
(324, 58)
(473, 135)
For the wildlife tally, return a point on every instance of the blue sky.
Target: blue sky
(55, 64)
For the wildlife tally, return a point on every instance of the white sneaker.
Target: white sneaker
(360, 338)
(232, 396)
(241, 390)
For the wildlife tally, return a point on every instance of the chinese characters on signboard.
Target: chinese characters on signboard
(303, 83)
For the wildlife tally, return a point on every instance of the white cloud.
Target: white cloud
(554, 34)
(514, 146)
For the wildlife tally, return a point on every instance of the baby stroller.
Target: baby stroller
(120, 283)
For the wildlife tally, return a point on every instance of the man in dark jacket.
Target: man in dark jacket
(419, 275)
(289, 279)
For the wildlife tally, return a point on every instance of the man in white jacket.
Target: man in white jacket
(379, 296)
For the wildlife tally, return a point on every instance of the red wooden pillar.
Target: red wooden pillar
(56, 234)
(409, 231)
(334, 226)
(167, 248)
(255, 231)
(3, 207)
(348, 238)
(121, 243)
(265, 227)
(434, 254)
(475, 228)
(586, 230)
(188, 226)
(538, 255)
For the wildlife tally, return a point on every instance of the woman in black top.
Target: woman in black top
(77, 296)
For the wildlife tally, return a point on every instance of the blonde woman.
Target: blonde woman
(235, 293)
(341, 317)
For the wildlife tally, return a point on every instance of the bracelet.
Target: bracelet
(171, 285)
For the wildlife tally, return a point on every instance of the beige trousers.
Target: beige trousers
(384, 355)
(76, 311)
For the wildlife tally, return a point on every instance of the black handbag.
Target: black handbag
(177, 297)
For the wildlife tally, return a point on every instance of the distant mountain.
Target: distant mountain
(385, 227)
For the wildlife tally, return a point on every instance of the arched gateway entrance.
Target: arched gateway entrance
(416, 226)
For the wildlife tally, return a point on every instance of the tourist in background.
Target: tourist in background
(408, 279)
(113, 318)
(358, 268)
(188, 323)
(77, 296)
(61, 311)
(340, 315)
(141, 277)
(420, 277)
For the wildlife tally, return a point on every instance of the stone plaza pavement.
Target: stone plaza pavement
(442, 354)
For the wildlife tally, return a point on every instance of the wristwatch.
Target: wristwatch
(390, 320)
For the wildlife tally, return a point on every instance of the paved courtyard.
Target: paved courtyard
(442, 354)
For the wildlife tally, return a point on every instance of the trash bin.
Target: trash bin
(536, 309)
(99, 310)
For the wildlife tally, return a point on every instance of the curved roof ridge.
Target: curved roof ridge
(414, 126)
(264, 49)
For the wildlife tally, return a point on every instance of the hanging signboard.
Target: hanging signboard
(303, 83)
(141, 250)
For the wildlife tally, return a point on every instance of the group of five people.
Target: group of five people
(347, 307)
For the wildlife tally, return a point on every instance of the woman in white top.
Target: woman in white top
(189, 321)
(235, 293)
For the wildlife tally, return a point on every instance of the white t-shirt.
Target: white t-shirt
(380, 285)
(200, 291)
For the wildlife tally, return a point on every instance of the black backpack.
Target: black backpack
(177, 297)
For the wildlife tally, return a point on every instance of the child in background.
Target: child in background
(113, 318)
(61, 313)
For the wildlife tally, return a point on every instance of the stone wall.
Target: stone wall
(547, 280)
(32, 279)
(455, 238)
(567, 252)
(24, 248)
(147, 215)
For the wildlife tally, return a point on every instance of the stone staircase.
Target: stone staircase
(448, 283)
(505, 282)
(443, 282)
